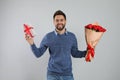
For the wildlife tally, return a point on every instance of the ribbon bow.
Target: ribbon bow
(90, 53)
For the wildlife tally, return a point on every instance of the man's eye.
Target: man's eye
(61, 20)
(57, 20)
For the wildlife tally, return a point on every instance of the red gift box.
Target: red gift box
(28, 30)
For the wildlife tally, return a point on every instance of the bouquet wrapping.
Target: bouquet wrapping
(93, 33)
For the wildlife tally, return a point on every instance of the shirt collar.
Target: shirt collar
(66, 32)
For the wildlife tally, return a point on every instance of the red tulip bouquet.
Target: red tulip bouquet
(93, 33)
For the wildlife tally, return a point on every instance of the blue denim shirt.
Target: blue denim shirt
(61, 47)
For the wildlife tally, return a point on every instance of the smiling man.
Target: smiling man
(62, 44)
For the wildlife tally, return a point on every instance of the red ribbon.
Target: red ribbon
(27, 30)
(90, 53)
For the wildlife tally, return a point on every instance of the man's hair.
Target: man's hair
(59, 12)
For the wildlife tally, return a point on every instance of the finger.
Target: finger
(27, 37)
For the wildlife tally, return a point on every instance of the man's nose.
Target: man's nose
(59, 21)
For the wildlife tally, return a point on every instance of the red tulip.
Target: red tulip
(95, 28)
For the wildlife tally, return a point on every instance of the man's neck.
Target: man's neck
(61, 32)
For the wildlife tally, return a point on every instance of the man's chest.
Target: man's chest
(60, 41)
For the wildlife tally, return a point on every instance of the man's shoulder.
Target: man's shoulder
(50, 33)
(70, 33)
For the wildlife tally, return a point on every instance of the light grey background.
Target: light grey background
(17, 62)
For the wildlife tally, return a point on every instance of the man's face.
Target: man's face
(59, 22)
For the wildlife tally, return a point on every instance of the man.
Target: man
(61, 44)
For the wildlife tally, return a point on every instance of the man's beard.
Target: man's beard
(60, 28)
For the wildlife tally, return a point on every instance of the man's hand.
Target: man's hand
(29, 39)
